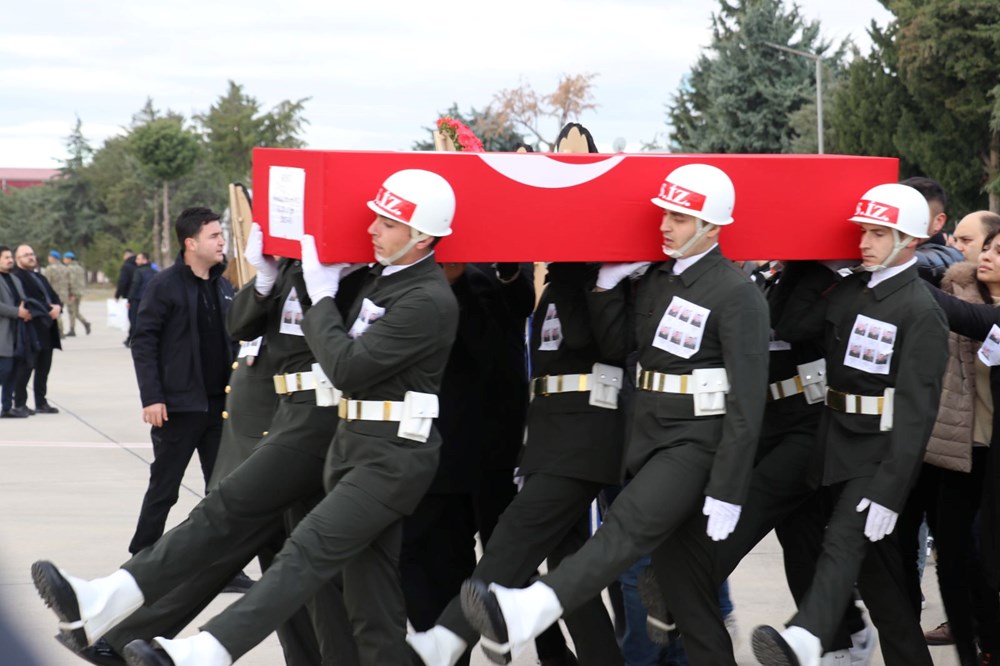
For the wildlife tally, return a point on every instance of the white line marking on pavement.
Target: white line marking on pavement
(76, 445)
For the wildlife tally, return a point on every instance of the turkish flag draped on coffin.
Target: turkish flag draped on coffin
(564, 207)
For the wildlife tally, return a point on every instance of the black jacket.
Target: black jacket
(125, 278)
(38, 293)
(139, 281)
(165, 345)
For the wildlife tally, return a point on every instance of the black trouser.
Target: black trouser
(133, 312)
(173, 445)
(8, 370)
(691, 567)
(848, 556)
(972, 608)
(547, 519)
(921, 504)
(40, 364)
(439, 552)
(496, 491)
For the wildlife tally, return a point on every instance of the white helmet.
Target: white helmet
(422, 199)
(700, 190)
(896, 206)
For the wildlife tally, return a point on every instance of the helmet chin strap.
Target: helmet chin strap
(700, 230)
(415, 237)
(899, 242)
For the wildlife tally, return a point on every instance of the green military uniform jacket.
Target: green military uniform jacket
(567, 436)
(297, 422)
(854, 444)
(735, 338)
(58, 277)
(77, 277)
(406, 349)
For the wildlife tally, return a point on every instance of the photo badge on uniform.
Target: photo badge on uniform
(370, 313)
(989, 353)
(250, 348)
(870, 347)
(681, 329)
(291, 315)
(551, 330)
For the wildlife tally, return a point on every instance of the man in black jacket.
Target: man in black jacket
(182, 356)
(142, 273)
(124, 286)
(43, 300)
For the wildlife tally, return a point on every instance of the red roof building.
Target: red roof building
(11, 178)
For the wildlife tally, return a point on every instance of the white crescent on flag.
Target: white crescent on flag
(545, 172)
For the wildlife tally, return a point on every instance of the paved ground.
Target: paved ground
(71, 485)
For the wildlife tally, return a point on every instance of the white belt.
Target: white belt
(786, 388)
(560, 384)
(294, 382)
(661, 382)
(370, 410)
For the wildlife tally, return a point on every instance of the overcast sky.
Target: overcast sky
(376, 72)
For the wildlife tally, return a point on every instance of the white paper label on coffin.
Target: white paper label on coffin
(544, 172)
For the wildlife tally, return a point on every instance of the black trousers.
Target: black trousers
(848, 556)
(920, 504)
(547, 519)
(439, 552)
(783, 497)
(40, 365)
(173, 445)
(972, 608)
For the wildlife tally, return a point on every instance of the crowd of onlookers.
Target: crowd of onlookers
(33, 302)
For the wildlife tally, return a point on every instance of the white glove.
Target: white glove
(881, 521)
(267, 266)
(609, 275)
(722, 517)
(322, 280)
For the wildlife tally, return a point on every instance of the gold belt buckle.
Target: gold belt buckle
(342, 409)
(645, 380)
(281, 385)
(836, 400)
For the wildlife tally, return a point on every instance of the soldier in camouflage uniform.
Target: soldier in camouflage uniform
(77, 279)
(58, 277)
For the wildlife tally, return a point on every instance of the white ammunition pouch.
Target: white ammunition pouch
(607, 382)
(419, 412)
(888, 397)
(327, 395)
(710, 388)
(812, 376)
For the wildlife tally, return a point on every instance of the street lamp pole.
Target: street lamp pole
(818, 59)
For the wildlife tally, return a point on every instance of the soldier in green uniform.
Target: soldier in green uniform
(253, 412)
(76, 278)
(389, 364)
(701, 329)
(783, 490)
(885, 342)
(58, 277)
(573, 449)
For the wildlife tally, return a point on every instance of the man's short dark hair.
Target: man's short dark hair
(930, 188)
(190, 222)
(144, 255)
(4, 248)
